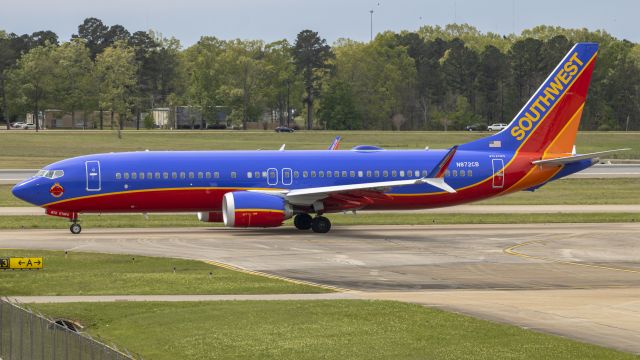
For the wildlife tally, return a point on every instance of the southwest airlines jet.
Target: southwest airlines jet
(264, 188)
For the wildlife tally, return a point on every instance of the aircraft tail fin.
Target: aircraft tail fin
(549, 121)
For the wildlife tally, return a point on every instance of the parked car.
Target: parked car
(18, 125)
(476, 127)
(29, 126)
(284, 129)
(496, 127)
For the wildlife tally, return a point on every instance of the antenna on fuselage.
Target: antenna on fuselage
(282, 147)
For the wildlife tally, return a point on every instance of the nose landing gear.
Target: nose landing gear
(75, 228)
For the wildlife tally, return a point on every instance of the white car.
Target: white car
(496, 127)
(18, 125)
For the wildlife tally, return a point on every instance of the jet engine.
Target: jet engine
(254, 209)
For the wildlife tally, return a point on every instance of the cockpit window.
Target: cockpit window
(50, 174)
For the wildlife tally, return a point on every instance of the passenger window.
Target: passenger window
(216, 175)
(286, 174)
(134, 176)
(183, 175)
(207, 175)
(447, 173)
(394, 173)
(461, 172)
(165, 175)
(191, 175)
(321, 174)
(256, 174)
(409, 173)
(455, 172)
(328, 173)
(376, 173)
(425, 173)
(305, 174)
(336, 174)
(118, 176)
(296, 174)
(141, 176)
(234, 175)
(200, 175)
(416, 173)
(368, 173)
(149, 175)
(174, 175)
(157, 175)
(126, 175)
(385, 173)
(264, 174)
(401, 173)
(313, 174)
(272, 175)
(469, 173)
(360, 173)
(344, 173)
(352, 173)
(249, 175)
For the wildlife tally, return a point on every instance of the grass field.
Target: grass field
(340, 329)
(560, 192)
(27, 149)
(106, 274)
(162, 221)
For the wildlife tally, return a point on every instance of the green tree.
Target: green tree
(115, 72)
(74, 85)
(32, 79)
(337, 109)
(493, 75)
(311, 54)
(243, 69)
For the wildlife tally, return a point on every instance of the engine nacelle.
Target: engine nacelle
(211, 216)
(253, 209)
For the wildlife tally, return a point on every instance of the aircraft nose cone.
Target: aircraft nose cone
(23, 191)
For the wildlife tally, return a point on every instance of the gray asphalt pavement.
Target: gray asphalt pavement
(578, 280)
(13, 176)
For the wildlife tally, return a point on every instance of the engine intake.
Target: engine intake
(253, 209)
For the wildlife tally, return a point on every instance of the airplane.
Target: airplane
(265, 188)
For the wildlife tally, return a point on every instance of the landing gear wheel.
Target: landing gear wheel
(75, 228)
(302, 221)
(321, 225)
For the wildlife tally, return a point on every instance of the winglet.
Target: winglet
(335, 144)
(441, 168)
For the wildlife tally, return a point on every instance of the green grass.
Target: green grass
(26, 149)
(340, 329)
(564, 191)
(138, 221)
(106, 274)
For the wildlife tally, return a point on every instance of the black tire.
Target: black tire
(302, 221)
(320, 225)
(75, 228)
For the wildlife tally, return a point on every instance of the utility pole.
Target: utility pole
(371, 26)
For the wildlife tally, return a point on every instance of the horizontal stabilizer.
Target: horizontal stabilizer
(570, 159)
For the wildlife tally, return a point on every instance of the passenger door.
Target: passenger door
(94, 182)
(498, 173)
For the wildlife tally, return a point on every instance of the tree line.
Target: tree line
(436, 78)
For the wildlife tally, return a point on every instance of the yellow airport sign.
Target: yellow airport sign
(25, 263)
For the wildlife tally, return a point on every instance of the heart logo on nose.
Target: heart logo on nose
(56, 190)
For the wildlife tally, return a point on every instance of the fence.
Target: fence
(25, 335)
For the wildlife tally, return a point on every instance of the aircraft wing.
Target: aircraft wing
(310, 195)
(570, 159)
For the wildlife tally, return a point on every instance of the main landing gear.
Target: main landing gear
(319, 224)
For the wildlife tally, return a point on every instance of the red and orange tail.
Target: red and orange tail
(548, 123)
